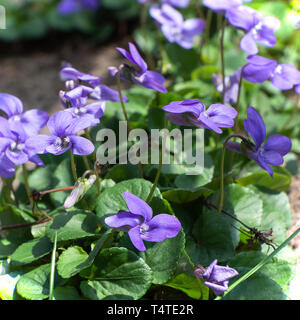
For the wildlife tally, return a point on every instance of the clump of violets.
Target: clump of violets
(193, 113)
(15, 130)
(83, 86)
(140, 224)
(260, 69)
(265, 155)
(216, 277)
(174, 27)
(63, 136)
(258, 29)
(136, 70)
(13, 143)
(232, 83)
(67, 7)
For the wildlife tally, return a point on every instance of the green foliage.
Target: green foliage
(93, 261)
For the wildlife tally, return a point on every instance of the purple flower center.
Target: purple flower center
(17, 147)
(144, 228)
(62, 143)
(80, 111)
(16, 118)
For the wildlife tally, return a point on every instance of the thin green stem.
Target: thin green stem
(159, 165)
(52, 269)
(27, 187)
(222, 58)
(88, 135)
(221, 197)
(121, 100)
(260, 264)
(143, 23)
(235, 127)
(7, 191)
(86, 163)
(207, 29)
(126, 116)
(73, 166)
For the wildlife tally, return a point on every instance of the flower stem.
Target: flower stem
(126, 116)
(207, 29)
(260, 264)
(235, 127)
(7, 191)
(143, 23)
(221, 197)
(27, 187)
(73, 166)
(88, 135)
(52, 268)
(222, 58)
(159, 165)
(121, 99)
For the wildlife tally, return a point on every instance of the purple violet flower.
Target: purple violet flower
(175, 28)
(70, 73)
(91, 112)
(271, 153)
(192, 112)
(260, 69)
(221, 5)
(63, 128)
(79, 91)
(216, 277)
(140, 225)
(32, 121)
(297, 89)
(174, 3)
(138, 70)
(13, 145)
(231, 85)
(259, 29)
(67, 7)
(7, 168)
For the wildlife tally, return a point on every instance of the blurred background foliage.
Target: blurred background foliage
(31, 19)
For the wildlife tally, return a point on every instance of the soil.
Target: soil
(30, 71)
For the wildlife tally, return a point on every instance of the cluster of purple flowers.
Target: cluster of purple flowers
(258, 30)
(260, 69)
(172, 23)
(78, 114)
(15, 131)
(174, 27)
(67, 7)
